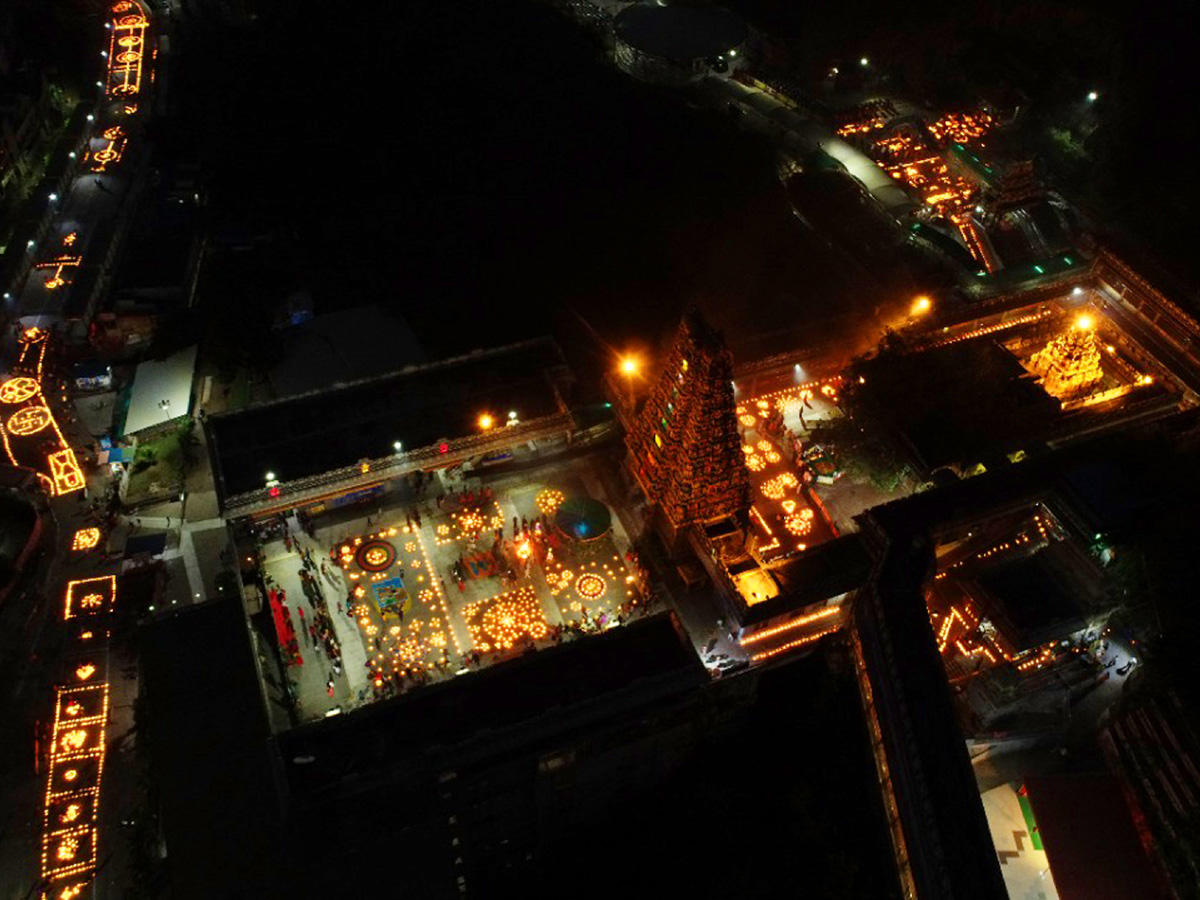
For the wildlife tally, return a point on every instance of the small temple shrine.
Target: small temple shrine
(1069, 364)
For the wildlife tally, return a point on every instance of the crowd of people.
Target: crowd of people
(391, 683)
(507, 552)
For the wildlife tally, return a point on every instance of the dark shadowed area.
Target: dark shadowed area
(481, 166)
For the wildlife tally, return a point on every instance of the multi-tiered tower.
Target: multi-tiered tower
(684, 448)
(1069, 364)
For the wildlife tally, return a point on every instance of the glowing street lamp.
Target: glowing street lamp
(1093, 96)
(486, 421)
(1085, 322)
(629, 368)
(864, 62)
(921, 305)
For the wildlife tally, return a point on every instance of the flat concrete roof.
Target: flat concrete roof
(331, 429)
(159, 381)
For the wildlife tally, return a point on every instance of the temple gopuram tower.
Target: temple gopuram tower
(684, 448)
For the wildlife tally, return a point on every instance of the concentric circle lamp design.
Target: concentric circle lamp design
(375, 556)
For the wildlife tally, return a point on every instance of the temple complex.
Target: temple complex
(684, 448)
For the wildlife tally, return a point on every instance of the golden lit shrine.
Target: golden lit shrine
(684, 447)
(1069, 364)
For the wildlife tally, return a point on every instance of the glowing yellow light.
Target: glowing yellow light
(59, 265)
(125, 50)
(18, 390)
(67, 849)
(921, 305)
(73, 740)
(28, 420)
(486, 421)
(499, 622)
(590, 586)
(85, 539)
(629, 365)
(779, 485)
(89, 595)
(65, 474)
(548, 501)
(1084, 322)
(84, 672)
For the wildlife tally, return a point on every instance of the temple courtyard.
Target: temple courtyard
(476, 572)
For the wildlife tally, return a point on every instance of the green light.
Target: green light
(1068, 261)
(1039, 270)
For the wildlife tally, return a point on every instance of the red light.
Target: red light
(274, 492)
(443, 448)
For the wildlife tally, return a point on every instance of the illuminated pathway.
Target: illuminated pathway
(71, 808)
(95, 196)
(80, 707)
(29, 430)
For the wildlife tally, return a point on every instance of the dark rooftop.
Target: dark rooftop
(343, 346)
(330, 429)
(680, 32)
(399, 732)
(1000, 413)
(1036, 597)
(944, 823)
(208, 737)
(1093, 846)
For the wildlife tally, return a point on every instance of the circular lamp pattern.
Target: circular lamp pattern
(589, 586)
(28, 420)
(375, 556)
(18, 390)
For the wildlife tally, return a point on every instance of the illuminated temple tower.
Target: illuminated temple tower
(684, 448)
(1018, 186)
(1069, 364)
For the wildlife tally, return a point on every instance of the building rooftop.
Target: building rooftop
(1034, 600)
(680, 32)
(341, 347)
(821, 573)
(162, 391)
(403, 732)
(1094, 849)
(420, 406)
(208, 737)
